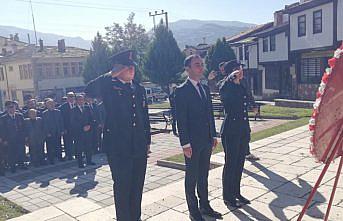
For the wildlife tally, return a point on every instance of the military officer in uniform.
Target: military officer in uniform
(197, 136)
(235, 134)
(126, 132)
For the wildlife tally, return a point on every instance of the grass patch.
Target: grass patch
(274, 111)
(9, 210)
(179, 158)
(160, 105)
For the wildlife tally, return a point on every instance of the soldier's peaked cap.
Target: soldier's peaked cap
(126, 57)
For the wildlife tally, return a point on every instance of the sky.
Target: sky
(85, 17)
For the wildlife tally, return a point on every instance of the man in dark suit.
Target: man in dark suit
(68, 140)
(197, 135)
(82, 124)
(173, 110)
(126, 132)
(53, 129)
(35, 137)
(95, 123)
(13, 136)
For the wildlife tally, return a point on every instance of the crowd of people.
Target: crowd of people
(42, 132)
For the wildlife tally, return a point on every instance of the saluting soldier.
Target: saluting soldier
(235, 134)
(13, 136)
(126, 132)
(82, 124)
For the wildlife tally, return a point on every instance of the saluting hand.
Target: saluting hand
(187, 152)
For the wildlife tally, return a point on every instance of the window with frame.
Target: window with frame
(39, 69)
(73, 69)
(272, 43)
(265, 44)
(301, 25)
(66, 69)
(80, 68)
(317, 22)
(312, 69)
(240, 50)
(58, 70)
(246, 53)
(272, 77)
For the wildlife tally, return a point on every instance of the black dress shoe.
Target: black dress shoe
(232, 203)
(243, 199)
(196, 218)
(211, 213)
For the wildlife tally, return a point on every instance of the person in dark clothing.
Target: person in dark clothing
(127, 135)
(35, 137)
(68, 140)
(235, 134)
(53, 129)
(13, 136)
(82, 124)
(102, 115)
(95, 123)
(197, 134)
(173, 111)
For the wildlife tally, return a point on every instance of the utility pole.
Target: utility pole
(33, 20)
(157, 14)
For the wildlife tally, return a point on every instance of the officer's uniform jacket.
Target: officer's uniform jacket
(235, 101)
(12, 130)
(127, 127)
(53, 122)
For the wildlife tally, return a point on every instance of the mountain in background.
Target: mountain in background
(193, 32)
(186, 32)
(48, 39)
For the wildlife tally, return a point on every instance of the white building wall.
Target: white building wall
(281, 50)
(311, 40)
(63, 83)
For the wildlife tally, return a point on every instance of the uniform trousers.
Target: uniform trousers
(128, 175)
(36, 150)
(52, 146)
(84, 146)
(235, 148)
(68, 143)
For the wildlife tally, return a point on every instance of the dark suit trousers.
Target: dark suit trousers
(36, 152)
(235, 148)
(68, 143)
(197, 168)
(128, 175)
(52, 145)
(84, 146)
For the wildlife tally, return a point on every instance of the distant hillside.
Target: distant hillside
(48, 39)
(186, 32)
(193, 32)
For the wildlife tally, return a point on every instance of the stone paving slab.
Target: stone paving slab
(278, 186)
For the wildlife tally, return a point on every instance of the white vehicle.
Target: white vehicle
(155, 94)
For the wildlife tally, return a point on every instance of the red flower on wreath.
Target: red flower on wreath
(332, 62)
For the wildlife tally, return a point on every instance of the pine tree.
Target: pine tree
(164, 60)
(97, 62)
(218, 53)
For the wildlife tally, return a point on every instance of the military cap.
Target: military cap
(70, 94)
(9, 103)
(230, 66)
(233, 75)
(127, 58)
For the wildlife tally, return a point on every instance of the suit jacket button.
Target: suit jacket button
(234, 118)
(134, 124)
(133, 105)
(108, 130)
(133, 96)
(245, 118)
(245, 104)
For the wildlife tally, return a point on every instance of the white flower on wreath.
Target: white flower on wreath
(338, 53)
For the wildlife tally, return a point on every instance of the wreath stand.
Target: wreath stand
(337, 143)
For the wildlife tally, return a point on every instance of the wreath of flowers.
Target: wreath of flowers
(321, 90)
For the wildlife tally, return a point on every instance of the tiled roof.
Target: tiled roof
(249, 32)
(306, 5)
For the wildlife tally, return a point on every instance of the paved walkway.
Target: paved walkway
(278, 185)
